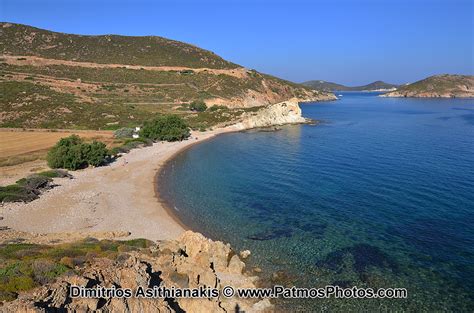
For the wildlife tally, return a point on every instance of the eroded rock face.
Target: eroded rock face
(287, 112)
(191, 261)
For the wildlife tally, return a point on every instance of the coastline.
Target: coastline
(120, 197)
(156, 183)
(123, 196)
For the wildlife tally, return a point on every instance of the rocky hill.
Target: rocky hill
(56, 80)
(329, 87)
(438, 86)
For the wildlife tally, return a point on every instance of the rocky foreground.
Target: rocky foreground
(438, 86)
(191, 261)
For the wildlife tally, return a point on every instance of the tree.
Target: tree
(95, 153)
(165, 127)
(198, 105)
(66, 153)
(72, 153)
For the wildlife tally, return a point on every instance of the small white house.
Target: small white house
(135, 136)
(137, 129)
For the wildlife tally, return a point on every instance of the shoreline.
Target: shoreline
(120, 197)
(123, 196)
(156, 183)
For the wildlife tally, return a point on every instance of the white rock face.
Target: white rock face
(286, 112)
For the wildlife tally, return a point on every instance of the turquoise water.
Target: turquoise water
(379, 194)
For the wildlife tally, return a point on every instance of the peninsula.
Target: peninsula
(438, 86)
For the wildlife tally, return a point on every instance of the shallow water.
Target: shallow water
(380, 194)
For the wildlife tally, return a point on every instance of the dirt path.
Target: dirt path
(37, 61)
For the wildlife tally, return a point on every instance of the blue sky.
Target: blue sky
(349, 42)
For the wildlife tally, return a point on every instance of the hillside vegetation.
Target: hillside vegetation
(55, 80)
(16, 39)
(329, 87)
(438, 86)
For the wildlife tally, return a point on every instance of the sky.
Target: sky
(348, 42)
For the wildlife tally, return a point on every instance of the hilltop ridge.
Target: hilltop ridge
(18, 39)
(329, 86)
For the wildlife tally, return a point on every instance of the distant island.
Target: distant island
(438, 86)
(322, 85)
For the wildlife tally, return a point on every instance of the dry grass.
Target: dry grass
(22, 146)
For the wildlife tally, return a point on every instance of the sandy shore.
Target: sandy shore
(119, 197)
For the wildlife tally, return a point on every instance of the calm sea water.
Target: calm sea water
(380, 194)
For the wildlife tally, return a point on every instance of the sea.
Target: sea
(379, 193)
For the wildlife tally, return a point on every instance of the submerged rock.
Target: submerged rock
(364, 257)
(272, 234)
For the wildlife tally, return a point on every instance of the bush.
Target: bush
(55, 173)
(166, 127)
(16, 193)
(45, 271)
(34, 182)
(26, 266)
(217, 108)
(72, 153)
(124, 132)
(95, 153)
(198, 106)
(131, 144)
(29, 188)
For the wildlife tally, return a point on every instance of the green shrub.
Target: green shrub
(166, 127)
(95, 153)
(45, 271)
(124, 132)
(64, 155)
(72, 153)
(16, 193)
(217, 108)
(26, 266)
(28, 188)
(55, 173)
(34, 182)
(131, 144)
(198, 106)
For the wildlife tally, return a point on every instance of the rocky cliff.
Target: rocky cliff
(438, 86)
(192, 261)
(286, 112)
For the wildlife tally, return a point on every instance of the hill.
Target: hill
(438, 86)
(329, 87)
(56, 80)
(25, 40)
(324, 85)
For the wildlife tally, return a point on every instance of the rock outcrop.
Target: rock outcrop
(286, 112)
(438, 86)
(192, 261)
